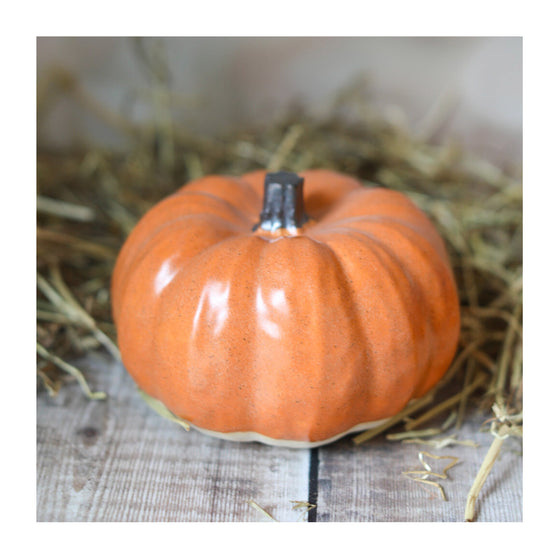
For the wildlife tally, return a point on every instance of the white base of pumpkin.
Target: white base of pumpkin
(254, 436)
(163, 411)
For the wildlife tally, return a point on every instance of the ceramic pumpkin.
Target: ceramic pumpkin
(286, 309)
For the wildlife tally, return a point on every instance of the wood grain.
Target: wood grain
(365, 482)
(116, 460)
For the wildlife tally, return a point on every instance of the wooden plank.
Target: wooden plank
(116, 460)
(365, 482)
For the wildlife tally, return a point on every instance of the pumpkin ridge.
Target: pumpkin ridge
(390, 262)
(135, 258)
(186, 401)
(159, 215)
(367, 202)
(253, 390)
(342, 414)
(425, 231)
(340, 205)
(309, 366)
(355, 318)
(379, 244)
(422, 247)
(186, 221)
(325, 189)
(145, 314)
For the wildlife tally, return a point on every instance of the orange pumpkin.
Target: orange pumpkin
(284, 309)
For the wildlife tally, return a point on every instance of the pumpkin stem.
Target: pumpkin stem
(283, 202)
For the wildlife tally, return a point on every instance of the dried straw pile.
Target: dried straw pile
(89, 201)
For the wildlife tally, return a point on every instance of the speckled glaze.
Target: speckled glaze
(295, 336)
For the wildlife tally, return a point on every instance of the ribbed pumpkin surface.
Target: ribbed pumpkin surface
(297, 337)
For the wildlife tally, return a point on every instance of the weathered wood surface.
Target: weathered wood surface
(365, 483)
(116, 460)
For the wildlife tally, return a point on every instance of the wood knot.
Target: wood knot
(89, 434)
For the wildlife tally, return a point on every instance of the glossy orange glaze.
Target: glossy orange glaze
(298, 335)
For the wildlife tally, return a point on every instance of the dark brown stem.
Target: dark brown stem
(283, 202)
